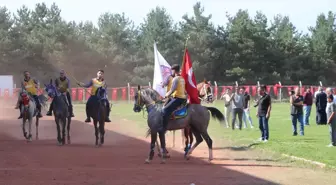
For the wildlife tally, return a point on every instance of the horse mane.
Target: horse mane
(153, 94)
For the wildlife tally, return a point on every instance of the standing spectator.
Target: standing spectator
(264, 111)
(329, 91)
(246, 114)
(331, 109)
(227, 106)
(296, 102)
(307, 103)
(237, 99)
(321, 104)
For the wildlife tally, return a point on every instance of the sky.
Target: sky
(302, 13)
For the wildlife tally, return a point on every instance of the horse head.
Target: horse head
(24, 95)
(51, 89)
(145, 97)
(101, 93)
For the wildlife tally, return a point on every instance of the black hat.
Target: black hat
(176, 67)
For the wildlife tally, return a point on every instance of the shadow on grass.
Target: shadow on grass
(119, 161)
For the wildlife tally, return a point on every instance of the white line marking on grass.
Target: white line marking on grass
(322, 165)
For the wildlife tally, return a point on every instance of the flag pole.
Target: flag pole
(185, 49)
(184, 55)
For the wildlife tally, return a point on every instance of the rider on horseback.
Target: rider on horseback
(178, 93)
(62, 84)
(30, 85)
(95, 83)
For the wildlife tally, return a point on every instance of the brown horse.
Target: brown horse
(205, 92)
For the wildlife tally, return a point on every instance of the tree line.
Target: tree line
(246, 49)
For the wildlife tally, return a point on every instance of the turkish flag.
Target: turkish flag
(189, 78)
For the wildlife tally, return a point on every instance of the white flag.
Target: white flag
(161, 71)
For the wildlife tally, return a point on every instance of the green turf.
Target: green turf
(312, 146)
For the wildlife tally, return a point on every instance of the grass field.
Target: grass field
(312, 146)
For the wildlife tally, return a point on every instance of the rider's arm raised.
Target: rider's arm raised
(173, 87)
(88, 84)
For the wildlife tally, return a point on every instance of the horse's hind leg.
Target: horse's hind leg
(68, 130)
(152, 147)
(208, 141)
(37, 125)
(199, 140)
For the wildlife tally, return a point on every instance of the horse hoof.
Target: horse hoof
(147, 161)
(37, 138)
(159, 155)
(163, 162)
(69, 142)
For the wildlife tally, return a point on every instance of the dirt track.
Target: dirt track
(121, 161)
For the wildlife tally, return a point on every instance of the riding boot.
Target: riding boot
(18, 107)
(107, 119)
(39, 112)
(88, 120)
(49, 113)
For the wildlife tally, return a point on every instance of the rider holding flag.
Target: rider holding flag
(95, 83)
(30, 85)
(178, 93)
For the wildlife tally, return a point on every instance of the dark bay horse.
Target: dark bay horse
(195, 116)
(62, 115)
(205, 92)
(97, 110)
(29, 111)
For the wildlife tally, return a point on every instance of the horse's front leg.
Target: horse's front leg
(58, 131)
(37, 125)
(152, 147)
(163, 147)
(63, 130)
(68, 129)
(95, 122)
(24, 127)
(102, 131)
(30, 122)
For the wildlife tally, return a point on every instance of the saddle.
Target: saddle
(180, 112)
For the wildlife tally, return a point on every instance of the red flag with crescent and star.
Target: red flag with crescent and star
(189, 78)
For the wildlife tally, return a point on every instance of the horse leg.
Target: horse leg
(208, 141)
(58, 131)
(102, 131)
(37, 125)
(68, 129)
(199, 140)
(95, 122)
(63, 130)
(152, 147)
(24, 128)
(158, 148)
(163, 146)
(186, 135)
(30, 121)
(191, 138)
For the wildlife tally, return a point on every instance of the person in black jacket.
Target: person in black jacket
(321, 104)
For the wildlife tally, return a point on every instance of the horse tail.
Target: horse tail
(217, 114)
(148, 133)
